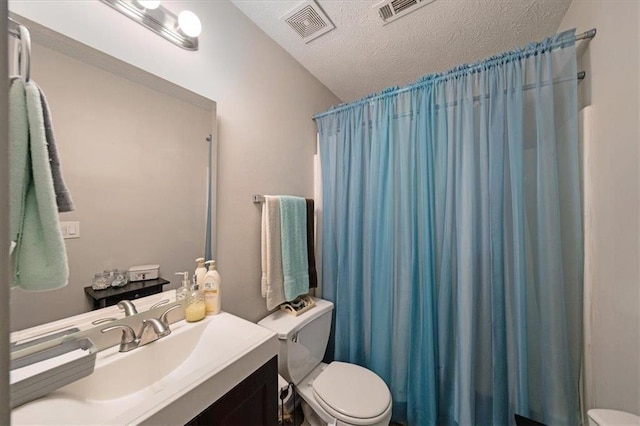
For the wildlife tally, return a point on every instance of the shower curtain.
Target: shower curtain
(452, 243)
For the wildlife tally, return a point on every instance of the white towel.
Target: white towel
(272, 277)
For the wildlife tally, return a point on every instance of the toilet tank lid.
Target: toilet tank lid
(285, 325)
(605, 417)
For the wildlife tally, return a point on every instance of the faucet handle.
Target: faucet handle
(128, 306)
(103, 320)
(164, 318)
(160, 303)
(128, 340)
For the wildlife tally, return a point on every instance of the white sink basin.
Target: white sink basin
(131, 387)
(118, 374)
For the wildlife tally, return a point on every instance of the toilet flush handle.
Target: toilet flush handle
(294, 338)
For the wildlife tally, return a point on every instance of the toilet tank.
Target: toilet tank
(303, 339)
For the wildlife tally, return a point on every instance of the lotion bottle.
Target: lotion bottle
(200, 272)
(212, 289)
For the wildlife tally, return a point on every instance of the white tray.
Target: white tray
(38, 374)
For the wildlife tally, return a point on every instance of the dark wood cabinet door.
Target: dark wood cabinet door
(252, 402)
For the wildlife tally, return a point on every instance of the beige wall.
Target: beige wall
(135, 162)
(265, 101)
(612, 85)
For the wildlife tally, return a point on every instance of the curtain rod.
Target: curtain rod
(581, 75)
(587, 34)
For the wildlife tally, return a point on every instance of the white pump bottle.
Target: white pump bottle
(200, 272)
(212, 289)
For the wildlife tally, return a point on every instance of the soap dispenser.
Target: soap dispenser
(212, 289)
(194, 308)
(181, 293)
(200, 272)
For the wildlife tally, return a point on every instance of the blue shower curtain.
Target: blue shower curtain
(452, 242)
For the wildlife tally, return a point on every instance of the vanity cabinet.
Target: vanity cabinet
(252, 402)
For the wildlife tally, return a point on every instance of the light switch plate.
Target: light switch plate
(70, 229)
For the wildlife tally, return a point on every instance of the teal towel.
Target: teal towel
(293, 230)
(39, 258)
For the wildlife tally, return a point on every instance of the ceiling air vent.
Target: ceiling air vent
(390, 10)
(308, 21)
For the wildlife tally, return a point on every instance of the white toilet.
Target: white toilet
(335, 394)
(602, 417)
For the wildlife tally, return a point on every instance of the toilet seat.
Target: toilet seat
(352, 394)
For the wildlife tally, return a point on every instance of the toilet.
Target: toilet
(602, 417)
(338, 393)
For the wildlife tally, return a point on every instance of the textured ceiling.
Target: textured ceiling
(362, 56)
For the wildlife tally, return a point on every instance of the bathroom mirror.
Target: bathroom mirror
(135, 157)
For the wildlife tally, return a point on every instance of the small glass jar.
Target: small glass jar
(120, 278)
(194, 307)
(109, 275)
(100, 282)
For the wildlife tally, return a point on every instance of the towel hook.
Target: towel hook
(22, 52)
(25, 49)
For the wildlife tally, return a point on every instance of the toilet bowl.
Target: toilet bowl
(346, 394)
(338, 393)
(602, 417)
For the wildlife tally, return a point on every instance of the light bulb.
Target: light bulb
(189, 23)
(149, 4)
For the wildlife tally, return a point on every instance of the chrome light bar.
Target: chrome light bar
(159, 20)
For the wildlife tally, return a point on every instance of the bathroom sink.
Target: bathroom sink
(118, 374)
(209, 357)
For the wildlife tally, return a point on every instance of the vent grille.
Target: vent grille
(308, 21)
(390, 10)
(386, 12)
(400, 5)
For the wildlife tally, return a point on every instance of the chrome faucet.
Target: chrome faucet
(129, 339)
(159, 329)
(128, 306)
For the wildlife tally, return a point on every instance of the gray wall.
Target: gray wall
(612, 86)
(265, 101)
(135, 162)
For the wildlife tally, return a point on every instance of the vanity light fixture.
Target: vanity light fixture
(182, 30)
(189, 23)
(149, 4)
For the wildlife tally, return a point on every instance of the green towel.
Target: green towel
(39, 258)
(293, 230)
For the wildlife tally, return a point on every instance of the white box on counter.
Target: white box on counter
(143, 272)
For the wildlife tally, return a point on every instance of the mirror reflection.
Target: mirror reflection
(135, 158)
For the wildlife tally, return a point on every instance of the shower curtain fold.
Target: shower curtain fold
(452, 243)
